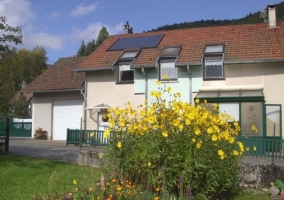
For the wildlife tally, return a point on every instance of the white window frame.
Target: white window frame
(124, 68)
(213, 59)
(168, 68)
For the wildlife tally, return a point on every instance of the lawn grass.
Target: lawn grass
(24, 177)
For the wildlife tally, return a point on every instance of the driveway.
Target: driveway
(56, 150)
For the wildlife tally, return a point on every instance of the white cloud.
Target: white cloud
(17, 12)
(93, 30)
(83, 9)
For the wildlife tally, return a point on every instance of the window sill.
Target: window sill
(169, 81)
(125, 82)
(213, 79)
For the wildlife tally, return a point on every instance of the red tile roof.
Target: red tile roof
(243, 43)
(59, 77)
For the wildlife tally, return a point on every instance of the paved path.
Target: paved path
(56, 150)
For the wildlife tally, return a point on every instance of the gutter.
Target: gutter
(190, 83)
(252, 61)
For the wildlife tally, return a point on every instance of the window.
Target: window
(167, 60)
(125, 73)
(213, 57)
(169, 69)
(245, 106)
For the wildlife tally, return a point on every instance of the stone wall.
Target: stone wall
(260, 172)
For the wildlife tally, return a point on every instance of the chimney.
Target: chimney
(271, 10)
(127, 28)
(24, 84)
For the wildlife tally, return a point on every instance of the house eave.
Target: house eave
(46, 91)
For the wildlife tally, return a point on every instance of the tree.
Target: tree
(16, 67)
(9, 34)
(81, 51)
(102, 36)
(91, 46)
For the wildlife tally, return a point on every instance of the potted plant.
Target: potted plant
(40, 134)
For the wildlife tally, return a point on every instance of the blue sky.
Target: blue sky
(60, 25)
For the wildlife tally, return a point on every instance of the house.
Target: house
(239, 67)
(57, 98)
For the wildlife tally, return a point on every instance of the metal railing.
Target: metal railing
(91, 137)
(263, 147)
(17, 129)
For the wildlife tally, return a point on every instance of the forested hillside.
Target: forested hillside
(249, 19)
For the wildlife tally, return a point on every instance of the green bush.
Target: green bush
(173, 147)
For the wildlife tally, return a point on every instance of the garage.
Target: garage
(66, 114)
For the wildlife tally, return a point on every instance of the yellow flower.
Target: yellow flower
(113, 180)
(158, 82)
(198, 145)
(166, 76)
(253, 127)
(169, 89)
(90, 189)
(74, 182)
(236, 153)
(165, 134)
(247, 149)
(221, 154)
(156, 198)
(119, 145)
(197, 101)
(197, 132)
(118, 188)
(106, 133)
(209, 130)
(254, 148)
(271, 183)
(149, 164)
(157, 189)
(193, 140)
(91, 134)
(100, 155)
(214, 138)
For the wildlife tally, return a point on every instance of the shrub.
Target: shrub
(174, 147)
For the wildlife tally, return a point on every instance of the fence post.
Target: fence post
(7, 135)
(273, 145)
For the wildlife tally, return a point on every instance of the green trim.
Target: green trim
(232, 99)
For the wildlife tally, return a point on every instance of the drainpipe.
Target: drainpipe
(146, 83)
(190, 84)
(84, 93)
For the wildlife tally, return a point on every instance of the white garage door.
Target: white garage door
(66, 114)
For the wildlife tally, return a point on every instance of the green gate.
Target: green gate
(17, 129)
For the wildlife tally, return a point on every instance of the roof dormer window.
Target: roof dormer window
(166, 61)
(213, 62)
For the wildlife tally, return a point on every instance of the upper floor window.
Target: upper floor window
(167, 60)
(125, 74)
(168, 68)
(213, 57)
